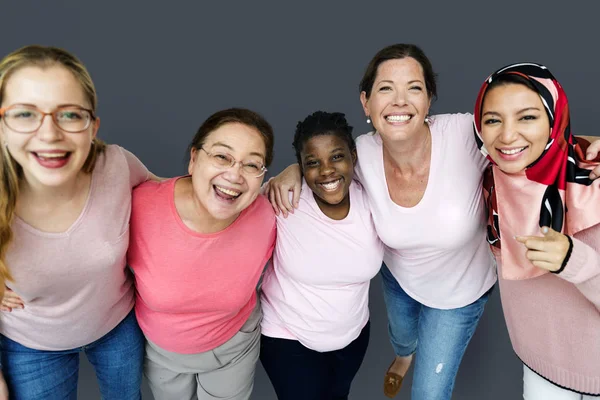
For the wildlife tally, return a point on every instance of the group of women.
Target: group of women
(162, 277)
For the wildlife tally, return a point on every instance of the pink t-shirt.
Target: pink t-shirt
(437, 250)
(194, 290)
(318, 289)
(75, 285)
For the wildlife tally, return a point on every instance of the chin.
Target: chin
(332, 201)
(53, 180)
(511, 169)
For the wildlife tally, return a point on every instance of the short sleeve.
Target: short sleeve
(138, 172)
(467, 131)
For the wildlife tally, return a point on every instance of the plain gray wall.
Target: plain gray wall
(162, 67)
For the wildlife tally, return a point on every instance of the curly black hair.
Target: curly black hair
(322, 123)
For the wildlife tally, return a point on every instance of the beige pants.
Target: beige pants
(225, 372)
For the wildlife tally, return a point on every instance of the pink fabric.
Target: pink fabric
(515, 194)
(554, 320)
(195, 291)
(75, 284)
(318, 289)
(437, 250)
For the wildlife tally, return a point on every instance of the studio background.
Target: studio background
(161, 68)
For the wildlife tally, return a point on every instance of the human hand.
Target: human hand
(548, 251)
(11, 300)
(592, 152)
(278, 187)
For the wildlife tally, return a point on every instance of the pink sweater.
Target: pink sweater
(75, 285)
(554, 320)
(194, 290)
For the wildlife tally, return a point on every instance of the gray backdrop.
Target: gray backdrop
(161, 68)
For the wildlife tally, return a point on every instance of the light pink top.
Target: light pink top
(318, 289)
(437, 250)
(74, 284)
(194, 290)
(554, 319)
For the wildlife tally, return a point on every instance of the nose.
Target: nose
(326, 169)
(48, 131)
(234, 173)
(508, 132)
(400, 97)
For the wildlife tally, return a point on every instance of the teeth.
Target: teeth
(228, 191)
(51, 155)
(512, 151)
(398, 118)
(331, 185)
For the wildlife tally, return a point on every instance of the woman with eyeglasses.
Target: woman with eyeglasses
(199, 244)
(64, 231)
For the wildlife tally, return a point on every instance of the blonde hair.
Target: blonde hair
(10, 170)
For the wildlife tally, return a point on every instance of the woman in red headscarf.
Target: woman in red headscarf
(544, 229)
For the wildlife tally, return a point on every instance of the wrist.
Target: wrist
(567, 256)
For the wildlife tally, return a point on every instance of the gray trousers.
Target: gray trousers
(225, 372)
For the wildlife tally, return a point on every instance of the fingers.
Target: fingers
(543, 256)
(11, 300)
(545, 265)
(593, 150)
(285, 197)
(6, 309)
(271, 196)
(12, 303)
(279, 202)
(595, 172)
(296, 194)
(531, 242)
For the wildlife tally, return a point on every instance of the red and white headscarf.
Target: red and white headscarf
(554, 191)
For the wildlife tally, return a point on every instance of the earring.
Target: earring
(427, 119)
(368, 120)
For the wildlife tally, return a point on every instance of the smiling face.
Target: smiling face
(514, 126)
(399, 102)
(223, 193)
(328, 168)
(49, 157)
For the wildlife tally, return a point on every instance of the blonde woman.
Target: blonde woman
(69, 288)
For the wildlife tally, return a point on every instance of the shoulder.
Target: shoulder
(111, 158)
(261, 211)
(359, 197)
(451, 123)
(367, 140)
(152, 189)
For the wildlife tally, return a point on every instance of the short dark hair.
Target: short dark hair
(398, 52)
(322, 123)
(232, 116)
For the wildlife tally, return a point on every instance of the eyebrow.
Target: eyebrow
(58, 106)
(311, 155)
(231, 148)
(518, 112)
(408, 83)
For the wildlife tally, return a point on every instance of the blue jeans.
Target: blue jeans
(117, 358)
(439, 337)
